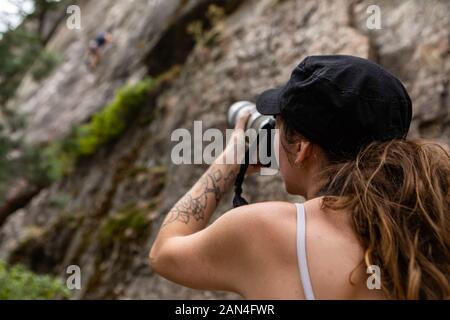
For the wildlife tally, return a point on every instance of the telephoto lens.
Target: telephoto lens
(257, 121)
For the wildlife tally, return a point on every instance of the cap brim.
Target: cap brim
(269, 102)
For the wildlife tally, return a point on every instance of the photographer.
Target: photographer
(374, 199)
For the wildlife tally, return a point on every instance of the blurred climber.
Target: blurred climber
(96, 46)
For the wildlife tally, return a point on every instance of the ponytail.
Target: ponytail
(399, 195)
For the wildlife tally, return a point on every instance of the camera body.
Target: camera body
(263, 125)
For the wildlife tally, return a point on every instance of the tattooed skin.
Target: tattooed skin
(195, 202)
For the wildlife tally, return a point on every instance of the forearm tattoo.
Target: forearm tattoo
(194, 204)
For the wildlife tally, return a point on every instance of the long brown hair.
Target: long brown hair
(399, 195)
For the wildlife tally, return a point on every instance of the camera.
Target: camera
(261, 151)
(263, 126)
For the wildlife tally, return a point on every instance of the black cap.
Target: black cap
(341, 103)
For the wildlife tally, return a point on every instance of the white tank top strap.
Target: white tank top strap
(301, 252)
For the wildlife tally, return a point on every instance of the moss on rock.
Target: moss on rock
(18, 283)
(128, 222)
(106, 125)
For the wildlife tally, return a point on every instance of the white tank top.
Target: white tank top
(301, 252)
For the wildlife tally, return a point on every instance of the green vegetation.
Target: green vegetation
(17, 160)
(60, 158)
(22, 51)
(155, 170)
(18, 283)
(129, 221)
(22, 48)
(113, 119)
(5, 146)
(35, 166)
(105, 126)
(46, 62)
(18, 50)
(203, 35)
(59, 201)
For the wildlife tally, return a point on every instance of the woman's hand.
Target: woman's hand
(234, 152)
(253, 169)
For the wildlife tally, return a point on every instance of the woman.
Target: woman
(375, 201)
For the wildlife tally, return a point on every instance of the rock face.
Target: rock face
(79, 220)
(54, 107)
(414, 44)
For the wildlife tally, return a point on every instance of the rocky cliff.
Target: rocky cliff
(104, 215)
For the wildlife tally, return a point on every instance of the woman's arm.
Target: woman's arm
(184, 245)
(193, 211)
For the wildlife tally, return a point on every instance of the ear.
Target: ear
(303, 151)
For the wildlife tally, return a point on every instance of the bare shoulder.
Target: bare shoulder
(263, 229)
(261, 217)
(273, 225)
(270, 218)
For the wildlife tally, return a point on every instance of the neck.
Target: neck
(314, 182)
(313, 190)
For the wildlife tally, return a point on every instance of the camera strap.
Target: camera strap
(238, 200)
